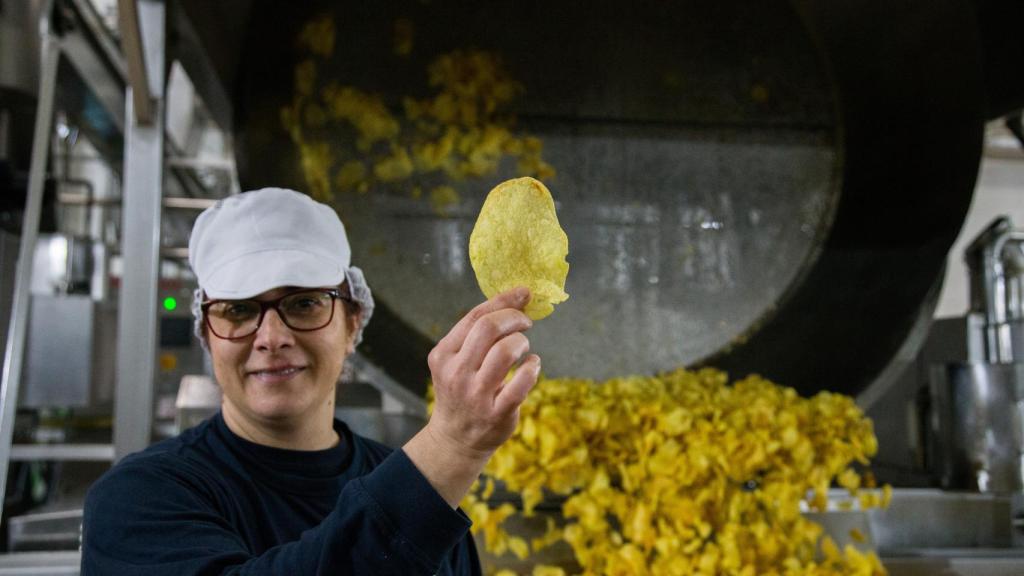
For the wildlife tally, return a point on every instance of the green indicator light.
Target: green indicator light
(170, 303)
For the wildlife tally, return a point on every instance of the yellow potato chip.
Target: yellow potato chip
(517, 242)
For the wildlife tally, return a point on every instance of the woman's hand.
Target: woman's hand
(476, 410)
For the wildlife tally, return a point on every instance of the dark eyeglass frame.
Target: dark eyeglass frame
(274, 305)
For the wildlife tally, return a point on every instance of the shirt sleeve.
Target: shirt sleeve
(151, 519)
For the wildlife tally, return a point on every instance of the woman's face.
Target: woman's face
(277, 377)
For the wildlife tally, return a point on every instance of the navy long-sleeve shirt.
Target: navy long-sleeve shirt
(208, 502)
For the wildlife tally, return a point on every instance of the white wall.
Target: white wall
(1000, 191)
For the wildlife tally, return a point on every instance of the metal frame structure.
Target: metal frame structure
(142, 191)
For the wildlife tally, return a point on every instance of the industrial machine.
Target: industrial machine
(978, 405)
(722, 170)
(766, 187)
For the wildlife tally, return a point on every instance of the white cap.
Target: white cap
(257, 241)
(247, 244)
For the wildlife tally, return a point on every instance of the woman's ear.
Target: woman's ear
(353, 320)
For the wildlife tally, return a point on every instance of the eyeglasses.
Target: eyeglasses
(302, 311)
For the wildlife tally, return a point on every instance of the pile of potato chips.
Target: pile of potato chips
(682, 473)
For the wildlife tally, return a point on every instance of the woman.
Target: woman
(274, 484)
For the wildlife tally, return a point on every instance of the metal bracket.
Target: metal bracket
(134, 51)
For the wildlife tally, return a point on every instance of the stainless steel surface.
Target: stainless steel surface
(977, 423)
(76, 330)
(64, 563)
(995, 260)
(143, 189)
(45, 531)
(930, 519)
(63, 264)
(70, 319)
(956, 563)
(69, 452)
(15, 345)
(198, 398)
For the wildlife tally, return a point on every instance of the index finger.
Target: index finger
(514, 298)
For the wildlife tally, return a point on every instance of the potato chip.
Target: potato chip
(517, 242)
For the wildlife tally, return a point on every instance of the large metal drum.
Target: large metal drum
(766, 187)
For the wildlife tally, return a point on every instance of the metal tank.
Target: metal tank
(976, 418)
(995, 260)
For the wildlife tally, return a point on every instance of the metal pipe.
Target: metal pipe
(198, 204)
(989, 284)
(175, 252)
(180, 203)
(14, 353)
(65, 452)
(998, 333)
(1000, 243)
(202, 163)
(90, 190)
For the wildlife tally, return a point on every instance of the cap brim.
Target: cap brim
(257, 272)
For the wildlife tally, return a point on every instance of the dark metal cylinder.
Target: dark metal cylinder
(977, 425)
